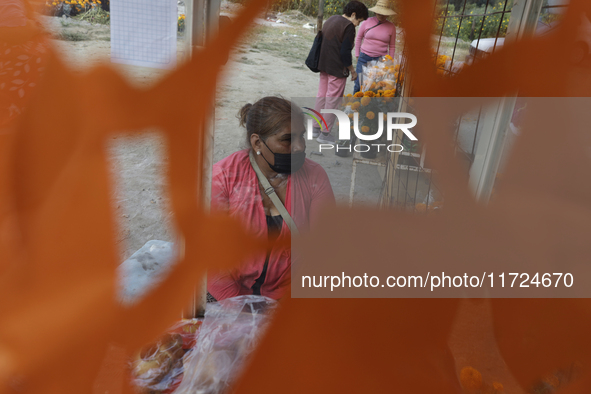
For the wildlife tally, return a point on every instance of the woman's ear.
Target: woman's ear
(255, 142)
(353, 16)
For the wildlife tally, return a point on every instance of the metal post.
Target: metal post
(489, 149)
(203, 24)
(522, 24)
(392, 161)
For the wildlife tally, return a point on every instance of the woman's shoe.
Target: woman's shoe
(326, 138)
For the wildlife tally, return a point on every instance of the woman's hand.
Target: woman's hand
(352, 72)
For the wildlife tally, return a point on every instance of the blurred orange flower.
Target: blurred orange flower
(470, 378)
(365, 101)
(370, 115)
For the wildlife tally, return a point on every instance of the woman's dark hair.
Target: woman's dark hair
(358, 8)
(267, 116)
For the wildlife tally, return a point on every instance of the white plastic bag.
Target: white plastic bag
(230, 331)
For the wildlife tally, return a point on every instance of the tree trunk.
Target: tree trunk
(320, 15)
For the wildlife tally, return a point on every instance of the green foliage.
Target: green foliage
(309, 7)
(331, 7)
(180, 27)
(468, 28)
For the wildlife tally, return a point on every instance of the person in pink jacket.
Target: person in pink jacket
(376, 38)
(278, 144)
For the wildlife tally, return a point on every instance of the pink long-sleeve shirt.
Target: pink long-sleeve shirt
(235, 189)
(379, 41)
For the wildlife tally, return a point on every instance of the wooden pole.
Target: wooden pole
(320, 15)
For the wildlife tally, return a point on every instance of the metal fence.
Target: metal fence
(464, 32)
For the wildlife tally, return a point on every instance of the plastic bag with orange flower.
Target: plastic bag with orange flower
(205, 355)
(381, 75)
(158, 368)
(229, 333)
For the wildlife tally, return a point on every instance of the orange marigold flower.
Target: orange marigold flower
(470, 378)
(370, 115)
(388, 57)
(365, 101)
(498, 387)
(358, 94)
(365, 129)
(349, 95)
(369, 93)
(355, 106)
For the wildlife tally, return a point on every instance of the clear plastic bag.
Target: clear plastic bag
(230, 331)
(380, 75)
(158, 368)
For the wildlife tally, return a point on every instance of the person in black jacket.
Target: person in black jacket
(336, 63)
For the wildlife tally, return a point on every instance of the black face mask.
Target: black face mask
(286, 163)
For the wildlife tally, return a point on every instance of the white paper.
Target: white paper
(144, 32)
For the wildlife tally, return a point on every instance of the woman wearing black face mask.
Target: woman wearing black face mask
(274, 189)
